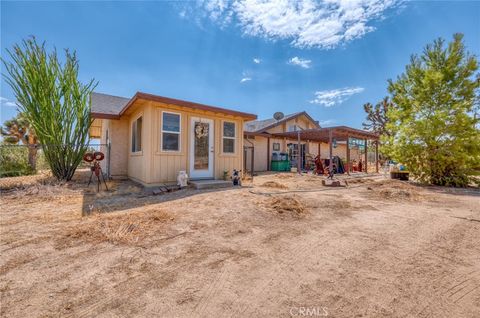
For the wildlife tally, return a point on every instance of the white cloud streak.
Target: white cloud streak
(326, 122)
(257, 60)
(6, 102)
(304, 63)
(322, 24)
(335, 96)
(245, 79)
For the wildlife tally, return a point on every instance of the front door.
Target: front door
(201, 148)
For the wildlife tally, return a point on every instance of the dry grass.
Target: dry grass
(289, 205)
(274, 184)
(129, 228)
(43, 177)
(360, 180)
(395, 190)
(16, 262)
(284, 175)
(336, 248)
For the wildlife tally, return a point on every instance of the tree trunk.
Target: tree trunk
(32, 156)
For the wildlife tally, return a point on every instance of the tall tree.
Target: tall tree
(54, 101)
(434, 128)
(377, 119)
(17, 130)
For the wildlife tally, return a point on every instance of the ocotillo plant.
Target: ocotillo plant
(54, 101)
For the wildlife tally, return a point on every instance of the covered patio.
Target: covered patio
(330, 135)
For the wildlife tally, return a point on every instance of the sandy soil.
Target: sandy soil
(277, 247)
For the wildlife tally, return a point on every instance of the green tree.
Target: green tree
(53, 100)
(433, 124)
(17, 130)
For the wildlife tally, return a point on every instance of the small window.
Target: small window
(292, 128)
(276, 146)
(137, 135)
(228, 137)
(170, 132)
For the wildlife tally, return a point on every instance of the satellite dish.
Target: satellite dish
(278, 116)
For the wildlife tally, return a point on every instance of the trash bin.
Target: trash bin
(280, 162)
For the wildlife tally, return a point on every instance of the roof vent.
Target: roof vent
(278, 116)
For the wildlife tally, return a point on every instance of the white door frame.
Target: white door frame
(208, 173)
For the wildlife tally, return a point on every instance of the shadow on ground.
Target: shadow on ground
(126, 194)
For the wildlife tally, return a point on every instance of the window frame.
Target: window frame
(234, 138)
(134, 131)
(273, 146)
(179, 133)
(294, 126)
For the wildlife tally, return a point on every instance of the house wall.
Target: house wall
(154, 166)
(260, 156)
(138, 168)
(340, 151)
(95, 130)
(117, 134)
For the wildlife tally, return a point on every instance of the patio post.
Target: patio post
(330, 165)
(376, 156)
(348, 154)
(299, 156)
(268, 154)
(366, 156)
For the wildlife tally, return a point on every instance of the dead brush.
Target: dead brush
(396, 190)
(116, 228)
(284, 175)
(274, 184)
(289, 205)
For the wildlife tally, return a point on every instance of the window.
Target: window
(137, 135)
(170, 131)
(228, 137)
(292, 128)
(276, 146)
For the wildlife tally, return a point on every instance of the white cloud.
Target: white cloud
(245, 79)
(6, 102)
(326, 122)
(300, 62)
(335, 96)
(257, 60)
(306, 23)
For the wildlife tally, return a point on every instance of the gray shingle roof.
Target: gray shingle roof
(107, 104)
(256, 125)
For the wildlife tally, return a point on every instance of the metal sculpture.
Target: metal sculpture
(95, 168)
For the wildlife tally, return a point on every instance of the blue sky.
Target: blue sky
(326, 58)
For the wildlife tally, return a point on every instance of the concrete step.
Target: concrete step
(211, 184)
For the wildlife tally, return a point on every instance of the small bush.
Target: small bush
(14, 161)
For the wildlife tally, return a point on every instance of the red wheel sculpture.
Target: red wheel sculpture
(88, 157)
(99, 156)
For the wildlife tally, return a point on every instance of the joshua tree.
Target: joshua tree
(377, 116)
(17, 130)
(53, 100)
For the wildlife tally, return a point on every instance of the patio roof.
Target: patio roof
(340, 133)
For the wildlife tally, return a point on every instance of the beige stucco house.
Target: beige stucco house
(280, 135)
(152, 137)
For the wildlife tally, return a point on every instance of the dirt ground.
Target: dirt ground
(282, 246)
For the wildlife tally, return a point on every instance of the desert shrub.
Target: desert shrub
(14, 161)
